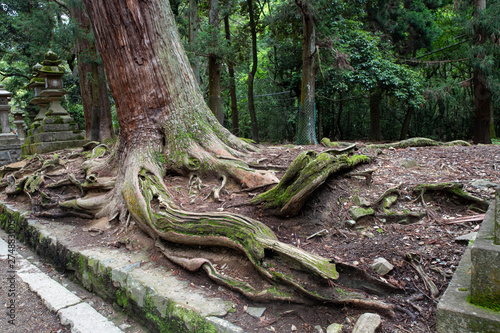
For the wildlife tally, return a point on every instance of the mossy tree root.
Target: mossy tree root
(306, 173)
(295, 274)
(417, 142)
(452, 188)
(291, 273)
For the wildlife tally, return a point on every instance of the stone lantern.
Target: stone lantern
(10, 147)
(52, 72)
(53, 128)
(38, 84)
(19, 122)
(4, 112)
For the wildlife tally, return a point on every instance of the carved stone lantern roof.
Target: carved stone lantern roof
(51, 65)
(4, 95)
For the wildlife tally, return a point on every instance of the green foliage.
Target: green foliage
(419, 57)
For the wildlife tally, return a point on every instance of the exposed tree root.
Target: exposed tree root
(306, 173)
(417, 142)
(293, 274)
(452, 188)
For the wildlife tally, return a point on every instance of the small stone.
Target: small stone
(409, 163)
(360, 201)
(359, 212)
(318, 329)
(124, 326)
(351, 223)
(483, 183)
(293, 328)
(367, 323)
(334, 328)
(382, 266)
(255, 312)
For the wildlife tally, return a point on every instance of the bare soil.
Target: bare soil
(424, 226)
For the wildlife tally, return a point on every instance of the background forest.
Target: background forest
(381, 70)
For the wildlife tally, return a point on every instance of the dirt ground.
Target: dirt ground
(424, 227)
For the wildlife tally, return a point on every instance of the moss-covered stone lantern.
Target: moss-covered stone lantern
(54, 128)
(52, 72)
(19, 122)
(4, 110)
(37, 83)
(10, 147)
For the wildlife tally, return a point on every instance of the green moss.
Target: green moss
(179, 319)
(247, 140)
(485, 302)
(121, 298)
(327, 143)
(358, 159)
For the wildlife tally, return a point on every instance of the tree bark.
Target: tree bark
(93, 87)
(251, 75)
(194, 24)
(214, 86)
(165, 125)
(482, 95)
(306, 132)
(406, 124)
(232, 84)
(375, 130)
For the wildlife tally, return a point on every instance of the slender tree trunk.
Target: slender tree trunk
(306, 133)
(232, 83)
(482, 95)
(93, 87)
(251, 75)
(375, 130)
(214, 86)
(194, 24)
(406, 124)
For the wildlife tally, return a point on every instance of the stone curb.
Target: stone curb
(151, 295)
(70, 308)
(454, 313)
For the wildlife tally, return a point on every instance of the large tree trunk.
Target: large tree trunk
(306, 132)
(165, 124)
(232, 83)
(93, 87)
(251, 75)
(214, 86)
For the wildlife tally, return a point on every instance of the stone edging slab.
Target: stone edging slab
(455, 314)
(151, 295)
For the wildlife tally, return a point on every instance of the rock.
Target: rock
(318, 329)
(363, 202)
(389, 200)
(483, 183)
(359, 212)
(255, 312)
(367, 323)
(466, 238)
(409, 163)
(334, 328)
(293, 328)
(382, 266)
(351, 223)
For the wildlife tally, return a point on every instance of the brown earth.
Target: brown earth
(424, 226)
